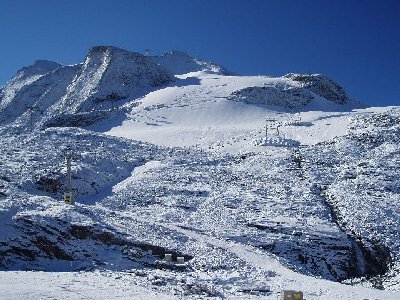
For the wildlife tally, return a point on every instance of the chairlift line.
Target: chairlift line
(68, 196)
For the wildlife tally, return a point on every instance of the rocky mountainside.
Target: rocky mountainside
(111, 74)
(24, 90)
(322, 86)
(50, 93)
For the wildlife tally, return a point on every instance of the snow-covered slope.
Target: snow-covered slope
(207, 109)
(26, 88)
(260, 184)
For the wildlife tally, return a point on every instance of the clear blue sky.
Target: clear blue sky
(355, 42)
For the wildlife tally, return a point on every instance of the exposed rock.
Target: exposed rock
(282, 96)
(322, 86)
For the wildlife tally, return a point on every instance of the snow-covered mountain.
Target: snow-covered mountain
(57, 95)
(24, 90)
(257, 183)
(112, 74)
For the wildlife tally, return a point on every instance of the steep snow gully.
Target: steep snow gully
(246, 183)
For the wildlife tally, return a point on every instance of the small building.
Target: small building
(291, 295)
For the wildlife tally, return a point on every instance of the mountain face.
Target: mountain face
(24, 77)
(256, 183)
(111, 74)
(40, 67)
(35, 98)
(14, 96)
(106, 76)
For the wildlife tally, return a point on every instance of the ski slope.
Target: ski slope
(200, 114)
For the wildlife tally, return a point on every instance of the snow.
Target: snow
(201, 115)
(252, 185)
(73, 285)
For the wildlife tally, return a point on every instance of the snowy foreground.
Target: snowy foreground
(123, 285)
(251, 185)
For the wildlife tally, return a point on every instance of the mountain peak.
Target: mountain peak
(45, 64)
(177, 53)
(102, 48)
(39, 67)
(179, 62)
(112, 50)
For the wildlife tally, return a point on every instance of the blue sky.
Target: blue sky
(355, 42)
